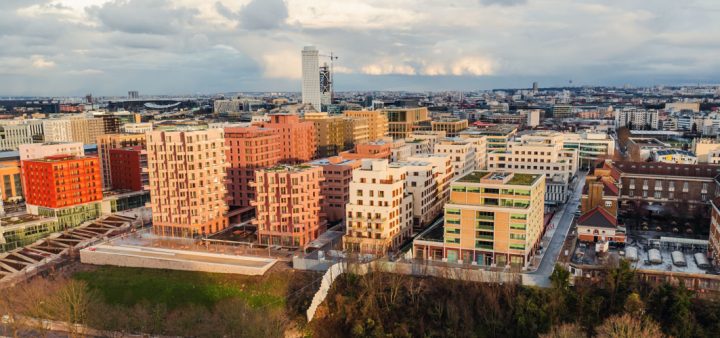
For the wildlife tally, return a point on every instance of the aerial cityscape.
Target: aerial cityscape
(287, 168)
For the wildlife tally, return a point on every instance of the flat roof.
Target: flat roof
(516, 179)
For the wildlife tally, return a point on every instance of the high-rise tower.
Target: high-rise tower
(311, 77)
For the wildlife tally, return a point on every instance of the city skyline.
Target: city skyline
(190, 46)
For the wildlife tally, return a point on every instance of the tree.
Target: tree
(694, 129)
(567, 330)
(71, 304)
(634, 305)
(627, 326)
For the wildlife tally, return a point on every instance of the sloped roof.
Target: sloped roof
(598, 217)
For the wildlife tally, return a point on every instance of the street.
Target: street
(556, 243)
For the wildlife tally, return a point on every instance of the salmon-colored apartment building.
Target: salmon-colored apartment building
(335, 189)
(288, 205)
(187, 182)
(248, 149)
(60, 181)
(298, 139)
(380, 149)
(492, 218)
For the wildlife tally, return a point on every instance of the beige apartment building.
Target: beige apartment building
(424, 141)
(379, 214)
(337, 133)
(497, 136)
(113, 141)
(451, 127)
(461, 152)
(34, 151)
(187, 182)
(403, 121)
(377, 122)
(540, 153)
(480, 142)
(492, 219)
(429, 177)
(74, 129)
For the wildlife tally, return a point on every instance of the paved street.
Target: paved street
(541, 275)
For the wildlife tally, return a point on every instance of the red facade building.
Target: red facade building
(126, 166)
(62, 181)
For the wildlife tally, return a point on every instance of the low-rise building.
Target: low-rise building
(641, 148)
(498, 135)
(403, 121)
(380, 149)
(599, 225)
(451, 127)
(592, 147)
(673, 156)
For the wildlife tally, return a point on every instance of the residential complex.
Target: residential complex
(337, 133)
(497, 136)
(187, 172)
(492, 219)
(113, 141)
(635, 118)
(15, 133)
(288, 200)
(377, 122)
(451, 127)
(335, 188)
(540, 153)
(298, 140)
(403, 121)
(60, 181)
(129, 168)
(461, 153)
(39, 150)
(379, 214)
(248, 149)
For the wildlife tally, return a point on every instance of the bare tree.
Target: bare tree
(71, 304)
(567, 330)
(627, 326)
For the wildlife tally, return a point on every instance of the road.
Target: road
(552, 252)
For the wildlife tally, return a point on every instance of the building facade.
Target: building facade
(311, 77)
(451, 127)
(187, 172)
(113, 141)
(298, 140)
(288, 201)
(491, 219)
(335, 188)
(403, 121)
(379, 214)
(376, 120)
(461, 152)
(129, 168)
(62, 181)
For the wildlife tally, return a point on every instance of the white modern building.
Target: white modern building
(461, 152)
(636, 118)
(591, 146)
(311, 77)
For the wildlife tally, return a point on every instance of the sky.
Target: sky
(74, 47)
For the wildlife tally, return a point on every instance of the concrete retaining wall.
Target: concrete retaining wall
(133, 257)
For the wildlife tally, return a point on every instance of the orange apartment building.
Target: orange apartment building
(187, 171)
(298, 139)
(335, 189)
(288, 205)
(379, 149)
(492, 218)
(61, 181)
(248, 149)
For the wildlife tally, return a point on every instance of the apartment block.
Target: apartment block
(57, 130)
(136, 128)
(451, 127)
(492, 219)
(705, 149)
(461, 152)
(379, 214)
(540, 153)
(129, 168)
(403, 121)
(481, 149)
(39, 150)
(423, 141)
(381, 149)
(377, 122)
(248, 149)
(74, 129)
(335, 188)
(428, 177)
(187, 173)
(498, 136)
(635, 118)
(592, 147)
(113, 141)
(298, 138)
(337, 133)
(288, 205)
(11, 179)
(62, 180)
(14, 133)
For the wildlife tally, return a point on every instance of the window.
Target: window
(608, 204)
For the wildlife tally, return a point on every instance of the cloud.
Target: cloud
(386, 68)
(263, 14)
(503, 2)
(282, 64)
(142, 16)
(39, 62)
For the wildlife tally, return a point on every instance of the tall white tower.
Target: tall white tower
(311, 77)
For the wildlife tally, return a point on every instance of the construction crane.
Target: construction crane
(330, 79)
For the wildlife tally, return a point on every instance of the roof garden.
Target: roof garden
(473, 177)
(523, 179)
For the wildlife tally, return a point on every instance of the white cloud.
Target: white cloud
(39, 62)
(387, 68)
(476, 66)
(282, 64)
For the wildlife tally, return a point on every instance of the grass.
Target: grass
(130, 286)
(473, 177)
(523, 179)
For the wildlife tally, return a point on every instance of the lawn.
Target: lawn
(130, 286)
